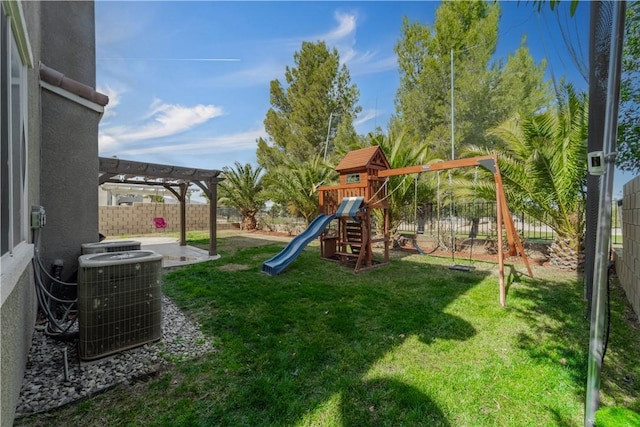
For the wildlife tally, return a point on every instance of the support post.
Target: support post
(503, 290)
(597, 336)
(387, 237)
(183, 213)
(213, 213)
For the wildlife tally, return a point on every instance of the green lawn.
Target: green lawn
(409, 344)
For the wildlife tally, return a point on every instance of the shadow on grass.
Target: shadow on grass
(389, 402)
(620, 377)
(288, 345)
(555, 309)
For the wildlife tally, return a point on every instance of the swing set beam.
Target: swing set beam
(503, 216)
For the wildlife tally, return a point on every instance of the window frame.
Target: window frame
(15, 58)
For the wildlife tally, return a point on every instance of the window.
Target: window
(13, 211)
(353, 178)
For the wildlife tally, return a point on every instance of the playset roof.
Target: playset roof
(363, 159)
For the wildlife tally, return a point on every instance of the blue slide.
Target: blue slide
(275, 265)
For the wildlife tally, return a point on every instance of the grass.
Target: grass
(409, 344)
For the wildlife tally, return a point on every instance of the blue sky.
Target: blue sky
(188, 82)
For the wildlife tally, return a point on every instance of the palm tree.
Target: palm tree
(543, 165)
(243, 190)
(400, 151)
(294, 185)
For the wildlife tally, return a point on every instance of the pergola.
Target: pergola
(176, 179)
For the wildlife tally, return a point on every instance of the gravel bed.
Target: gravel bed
(44, 386)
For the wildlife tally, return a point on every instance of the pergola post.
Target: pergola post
(213, 214)
(183, 214)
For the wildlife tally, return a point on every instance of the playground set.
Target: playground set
(363, 188)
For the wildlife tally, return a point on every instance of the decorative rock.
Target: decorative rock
(44, 388)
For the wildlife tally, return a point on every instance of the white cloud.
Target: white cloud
(347, 24)
(114, 100)
(107, 143)
(343, 37)
(365, 116)
(220, 144)
(161, 120)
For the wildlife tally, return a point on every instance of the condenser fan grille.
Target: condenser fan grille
(115, 246)
(119, 302)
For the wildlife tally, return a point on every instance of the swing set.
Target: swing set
(503, 216)
(452, 243)
(364, 173)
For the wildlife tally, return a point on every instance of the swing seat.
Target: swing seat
(459, 267)
(160, 222)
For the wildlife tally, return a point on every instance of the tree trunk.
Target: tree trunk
(249, 222)
(567, 254)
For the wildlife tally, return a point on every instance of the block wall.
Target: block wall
(628, 265)
(138, 219)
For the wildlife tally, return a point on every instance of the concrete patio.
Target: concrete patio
(173, 254)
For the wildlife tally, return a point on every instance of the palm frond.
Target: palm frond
(543, 162)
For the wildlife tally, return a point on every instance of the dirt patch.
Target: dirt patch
(233, 240)
(482, 251)
(234, 267)
(479, 249)
(271, 233)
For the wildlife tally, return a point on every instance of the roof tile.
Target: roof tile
(358, 159)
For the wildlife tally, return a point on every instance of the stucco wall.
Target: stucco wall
(628, 265)
(17, 320)
(69, 149)
(137, 219)
(69, 40)
(69, 140)
(19, 307)
(62, 173)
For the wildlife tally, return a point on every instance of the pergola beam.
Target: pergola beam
(176, 179)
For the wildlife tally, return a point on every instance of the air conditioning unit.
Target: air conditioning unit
(115, 246)
(119, 301)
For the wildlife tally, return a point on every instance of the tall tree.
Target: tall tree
(543, 165)
(629, 118)
(295, 184)
(469, 29)
(485, 94)
(316, 89)
(243, 190)
(519, 85)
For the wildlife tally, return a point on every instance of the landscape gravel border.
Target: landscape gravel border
(44, 387)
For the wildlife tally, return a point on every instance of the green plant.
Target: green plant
(412, 343)
(617, 417)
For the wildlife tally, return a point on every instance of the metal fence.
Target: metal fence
(433, 220)
(228, 215)
(465, 219)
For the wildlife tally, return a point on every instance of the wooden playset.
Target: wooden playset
(364, 173)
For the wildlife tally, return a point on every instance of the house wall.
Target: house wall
(69, 137)
(19, 305)
(138, 219)
(17, 319)
(628, 264)
(62, 175)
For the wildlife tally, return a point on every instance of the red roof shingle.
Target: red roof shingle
(360, 159)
